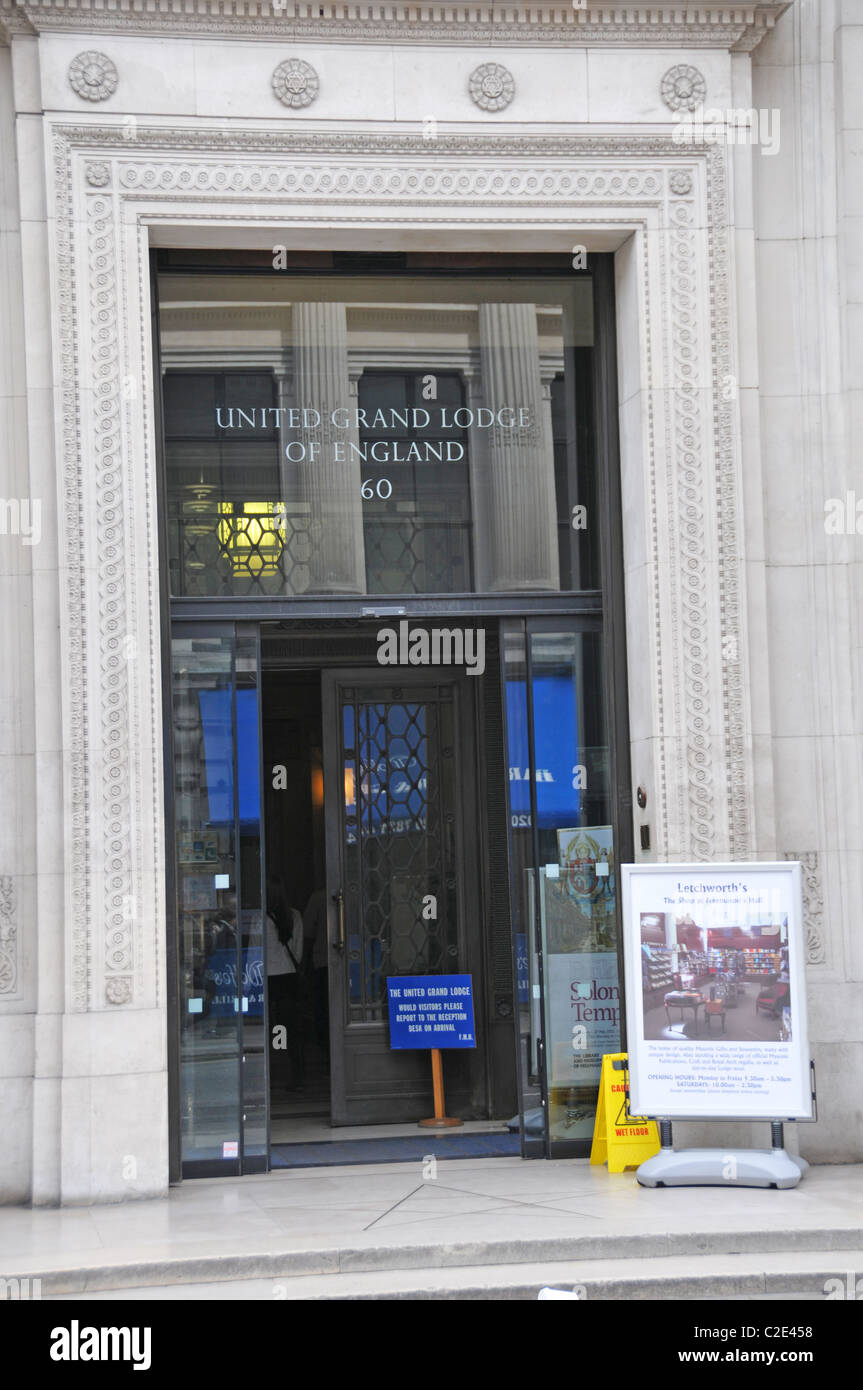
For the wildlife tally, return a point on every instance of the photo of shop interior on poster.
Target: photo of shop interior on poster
(715, 992)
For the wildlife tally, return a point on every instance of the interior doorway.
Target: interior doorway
(297, 965)
(370, 816)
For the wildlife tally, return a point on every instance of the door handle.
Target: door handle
(339, 900)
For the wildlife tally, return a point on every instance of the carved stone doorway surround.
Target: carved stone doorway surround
(666, 208)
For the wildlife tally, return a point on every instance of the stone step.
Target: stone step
(798, 1275)
(205, 1266)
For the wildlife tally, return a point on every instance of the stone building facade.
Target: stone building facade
(541, 128)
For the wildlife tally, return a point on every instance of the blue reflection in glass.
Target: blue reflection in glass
(555, 726)
(216, 723)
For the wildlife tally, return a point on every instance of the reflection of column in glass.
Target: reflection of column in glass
(284, 400)
(522, 510)
(330, 481)
(293, 512)
(480, 473)
(188, 754)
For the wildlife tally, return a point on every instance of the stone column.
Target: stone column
(31, 770)
(330, 483)
(522, 510)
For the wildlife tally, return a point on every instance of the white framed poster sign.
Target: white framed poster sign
(715, 991)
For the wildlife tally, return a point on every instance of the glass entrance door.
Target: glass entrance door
(219, 878)
(564, 851)
(402, 888)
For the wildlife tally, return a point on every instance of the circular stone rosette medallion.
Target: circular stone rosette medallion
(681, 183)
(296, 83)
(93, 76)
(683, 88)
(118, 990)
(98, 175)
(491, 86)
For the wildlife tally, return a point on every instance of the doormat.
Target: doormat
(410, 1148)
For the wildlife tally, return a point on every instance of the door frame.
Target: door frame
(307, 612)
(469, 885)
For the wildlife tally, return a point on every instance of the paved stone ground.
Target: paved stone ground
(472, 1228)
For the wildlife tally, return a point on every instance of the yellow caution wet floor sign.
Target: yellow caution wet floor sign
(620, 1139)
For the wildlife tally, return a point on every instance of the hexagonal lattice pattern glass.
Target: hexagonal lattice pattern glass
(241, 548)
(406, 555)
(399, 843)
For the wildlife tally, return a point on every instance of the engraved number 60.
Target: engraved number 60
(383, 488)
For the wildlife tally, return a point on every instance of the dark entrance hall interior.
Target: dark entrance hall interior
(294, 830)
(299, 816)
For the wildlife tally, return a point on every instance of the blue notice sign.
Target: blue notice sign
(431, 1011)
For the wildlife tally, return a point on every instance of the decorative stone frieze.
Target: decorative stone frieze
(739, 27)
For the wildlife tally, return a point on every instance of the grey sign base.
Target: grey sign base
(714, 1167)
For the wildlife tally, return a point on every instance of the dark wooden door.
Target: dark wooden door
(402, 880)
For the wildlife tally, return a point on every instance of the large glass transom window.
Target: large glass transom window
(335, 435)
